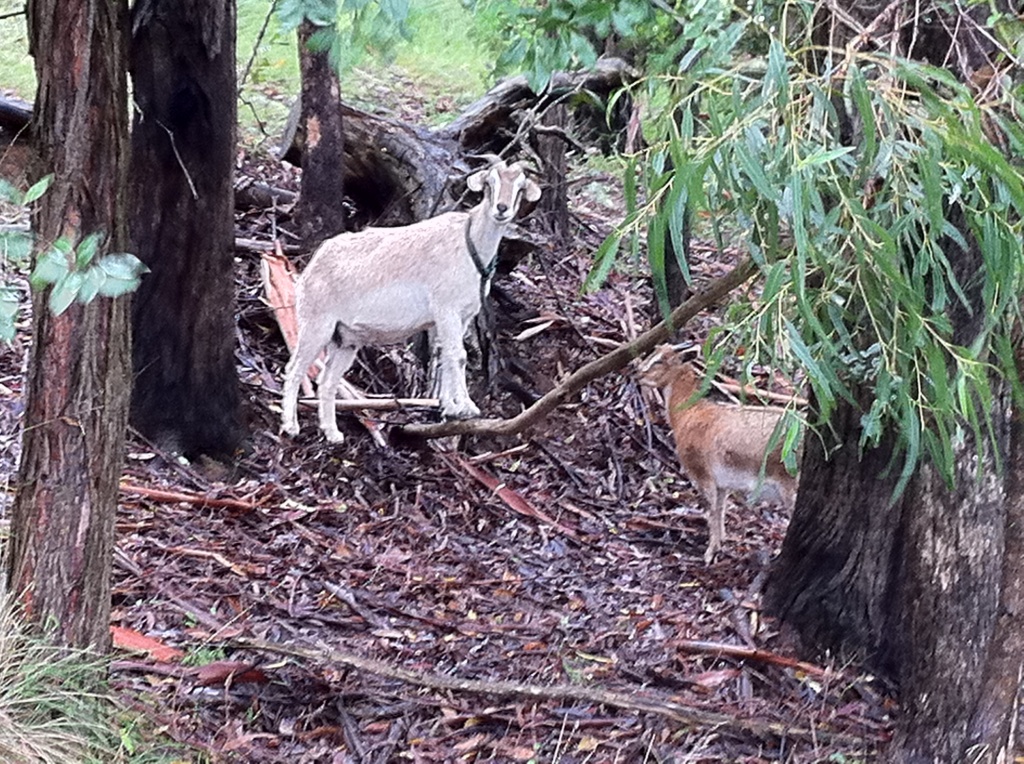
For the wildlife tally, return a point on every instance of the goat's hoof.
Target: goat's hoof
(469, 411)
(709, 555)
(334, 436)
(290, 428)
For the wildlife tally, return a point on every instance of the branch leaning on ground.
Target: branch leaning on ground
(612, 361)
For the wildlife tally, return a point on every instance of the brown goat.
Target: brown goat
(721, 447)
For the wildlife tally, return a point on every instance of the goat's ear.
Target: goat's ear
(475, 182)
(532, 191)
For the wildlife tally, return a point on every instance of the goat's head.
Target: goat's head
(505, 186)
(665, 366)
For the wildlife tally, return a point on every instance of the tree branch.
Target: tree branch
(586, 374)
(632, 701)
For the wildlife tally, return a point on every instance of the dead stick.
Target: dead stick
(586, 374)
(669, 709)
(186, 498)
(750, 391)
(753, 654)
(378, 404)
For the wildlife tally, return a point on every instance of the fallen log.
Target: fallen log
(15, 114)
(396, 173)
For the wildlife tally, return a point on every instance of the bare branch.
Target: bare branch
(612, 361)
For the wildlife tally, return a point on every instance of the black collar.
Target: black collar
(486, 271)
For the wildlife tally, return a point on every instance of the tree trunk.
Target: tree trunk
(183, 143)
(321, 213)
(833, 579)
(928, 589)
(554, 203)
(948, 602)
(62, 523)
(992, 725)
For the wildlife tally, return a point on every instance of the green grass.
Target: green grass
(446, 62)
(447, 71)
(16, 72)
(53, 708)
(446, 50)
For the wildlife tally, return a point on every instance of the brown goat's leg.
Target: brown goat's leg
(716, 523)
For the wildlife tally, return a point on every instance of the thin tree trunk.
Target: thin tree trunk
(321, 212)
(182, 215)
(62, 524)
(554, 202)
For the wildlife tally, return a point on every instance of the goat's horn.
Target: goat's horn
(526, 166)
(491, 159)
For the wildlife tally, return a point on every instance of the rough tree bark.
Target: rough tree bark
(183, 141)
(927, 589)
(321, 213)
(62, 524)
(554, 203)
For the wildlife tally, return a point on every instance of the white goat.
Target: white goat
(382, 285)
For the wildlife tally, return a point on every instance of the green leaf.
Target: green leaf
(291, 13)
(862, 100)
(122, 265)
(51, 267)
(64, 292)
(753, 167)
(9, 193)
(823, 156)
(656, 256)
(92, 281)
(322, 39)
(322, 13)
(122, 272)
(9, 305)
(16, 246)
(604, 259)
(676, 212)
(37, 189)
(87, 248)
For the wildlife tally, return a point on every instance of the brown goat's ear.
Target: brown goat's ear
(532, 191)
(475, 182)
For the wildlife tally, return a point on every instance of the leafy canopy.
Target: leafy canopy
(347, 30)
(857, 184)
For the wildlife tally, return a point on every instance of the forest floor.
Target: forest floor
(323, 603)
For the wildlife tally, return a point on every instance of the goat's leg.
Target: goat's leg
(716, 523)
(339, 360)
(311, 340)
(454, 395)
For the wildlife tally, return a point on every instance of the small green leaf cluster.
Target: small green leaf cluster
(15, 251)
(561, 35)
(78, 275)
(346, 31)
(860, 193)
(75, 272)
